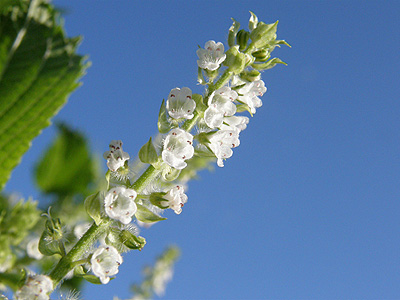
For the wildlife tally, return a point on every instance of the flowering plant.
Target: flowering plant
(194, 131)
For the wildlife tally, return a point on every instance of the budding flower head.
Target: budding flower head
(105, 262)
(175, 198)
(178, 147)
(36, 287)
(220, 105)
(119, 204)
(180, 103)
(115, 156)
(212, 56)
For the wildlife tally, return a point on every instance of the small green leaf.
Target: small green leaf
(148, 153)
(145, 215)
(93, 207)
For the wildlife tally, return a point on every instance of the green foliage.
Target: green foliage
(38, 70)
(67, 166)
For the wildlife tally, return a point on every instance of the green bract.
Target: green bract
(263, 34)
(93, 207)
(235, 60)
(148, 153)
(145, 215)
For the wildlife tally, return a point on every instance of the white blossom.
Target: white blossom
(119, 204)
(180, 103)
(220, 105)
(238, 123)
(212, 56)
(250, 92)
(32, 248)
(115, 156)
(175, 199)
(178, 147)
(105, 262)
(221, 143)
(36, 287)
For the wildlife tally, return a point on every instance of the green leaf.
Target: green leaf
(148, 153)
(38, 70)
(145, 215)
(67, 166)
(93, 207)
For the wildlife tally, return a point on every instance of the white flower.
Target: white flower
(177, 148)
(175, 199)
(249, 93)
(180, 103)
(220, 105)
(235, 123)
(105, 262)
(212, 56)
(119, 204)
(115, 157)
(36, 287)
(32, 248)
(221, 143)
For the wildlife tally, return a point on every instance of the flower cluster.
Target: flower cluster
(193, 129)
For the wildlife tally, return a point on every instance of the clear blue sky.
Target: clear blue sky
(308, 207)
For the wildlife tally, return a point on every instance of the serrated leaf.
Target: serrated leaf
(67, 166)
(145, 215)
(38, 70)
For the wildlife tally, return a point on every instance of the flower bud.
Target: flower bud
(51, 241)
(261, 55)
(132, 241)
(250, 76)
(242, 38)
(235, 60)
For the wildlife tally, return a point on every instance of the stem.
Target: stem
(66, 263)
(144, 180)
(220, 83)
